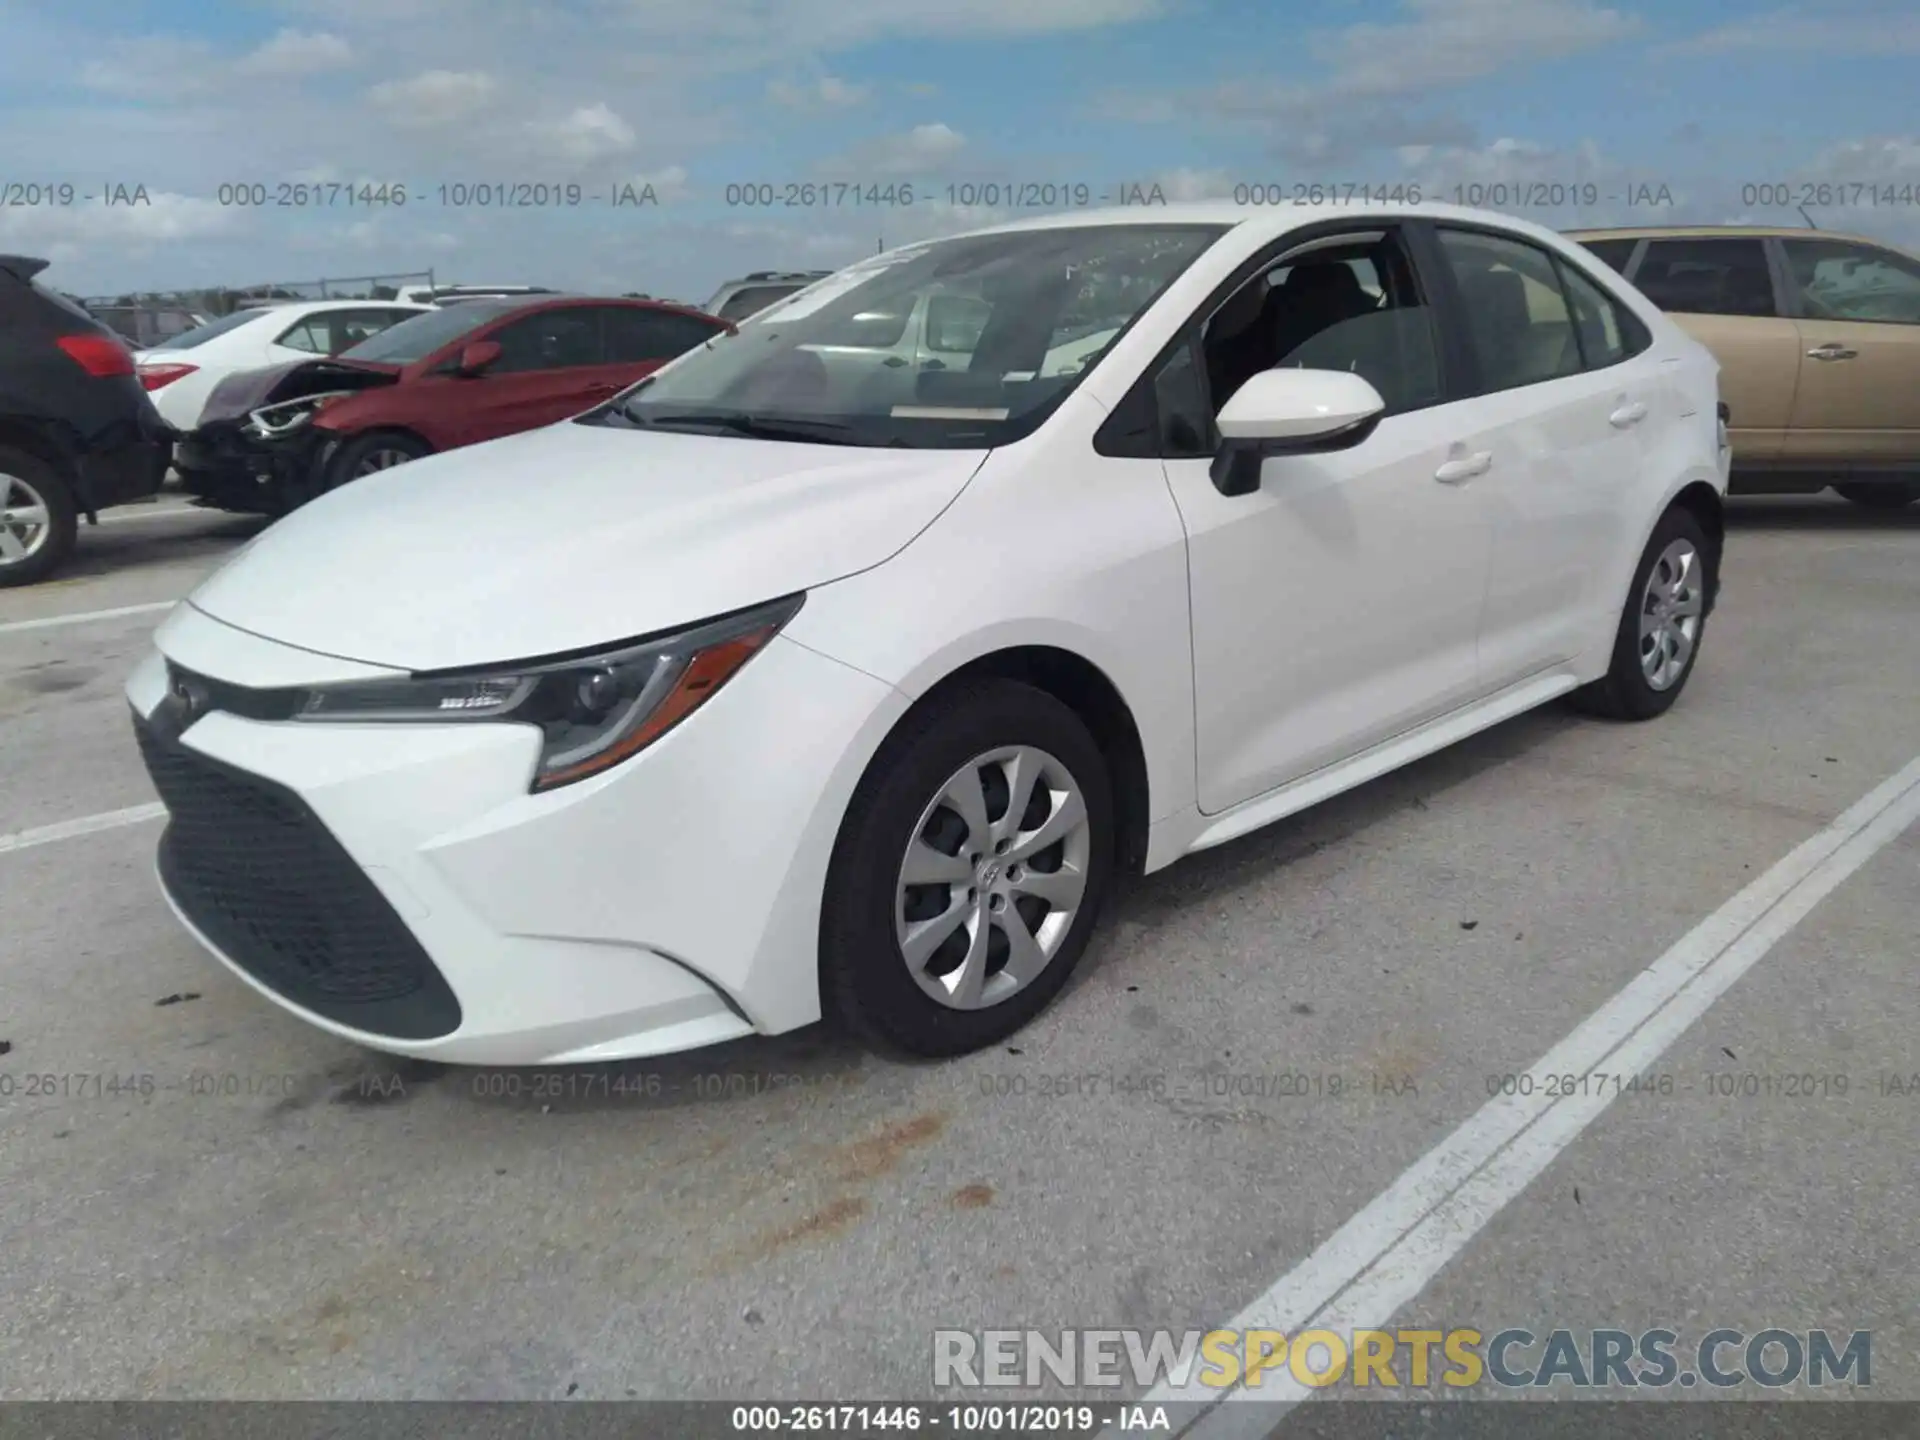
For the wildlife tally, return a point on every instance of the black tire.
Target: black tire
(865, 982)
(1893, 496)
(1624, 692)
(346, 462)
(63, 518)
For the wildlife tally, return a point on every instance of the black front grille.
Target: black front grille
(240, 700)
(261, 877)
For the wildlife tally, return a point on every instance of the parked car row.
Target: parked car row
(1817, 334)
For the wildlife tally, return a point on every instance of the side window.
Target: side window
(1613, 254)
(1838, 280)
(310, 335)
(955, 323)
(1518, 324)
(636, 335)
(755, 298)
(1711, 276)
(549, 340)
(350, 327)
(871, 329)
(1608, 333)
(1351, 308)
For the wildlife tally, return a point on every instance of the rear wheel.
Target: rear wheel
(38, 519)
(969, 873)
(1661, 627)
(1895, 496)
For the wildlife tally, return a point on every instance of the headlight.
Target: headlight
(593, 711)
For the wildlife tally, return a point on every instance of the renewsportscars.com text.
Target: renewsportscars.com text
(1458, 1358)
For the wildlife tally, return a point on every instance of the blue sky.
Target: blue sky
(678, 99)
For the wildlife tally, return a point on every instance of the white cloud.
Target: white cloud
(1189, 184)
(667, 185)
(828, 92)
(149, 68)
(297, 52)
(435, 97)
(771, 28)
(1371, 79)
(1574, 187)
(591, 133)
(1882, 158)
(923, 150)
(90, 227)
(1827, 30)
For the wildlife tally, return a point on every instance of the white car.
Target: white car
(182, 372)
(804, 696)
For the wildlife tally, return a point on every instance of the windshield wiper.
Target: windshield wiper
(759, 427)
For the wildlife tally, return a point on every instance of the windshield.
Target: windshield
(415, 339)
(952, 344)
(187, 339)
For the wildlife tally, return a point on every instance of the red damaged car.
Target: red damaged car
(269, 440)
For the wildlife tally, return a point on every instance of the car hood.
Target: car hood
(246, 390)
(569, 537)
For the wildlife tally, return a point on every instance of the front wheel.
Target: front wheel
(1658, 641)
(1880, 497)
(969, 873)
(370, 453)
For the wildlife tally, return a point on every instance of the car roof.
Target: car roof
(515, 304)
(297, 308)
(1708, 232)
(1276, 220)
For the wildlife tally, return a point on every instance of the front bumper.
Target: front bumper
(222, 464)
(397, 885)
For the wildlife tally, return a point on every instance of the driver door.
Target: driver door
(1338, 605)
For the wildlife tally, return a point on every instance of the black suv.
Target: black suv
(77, 432)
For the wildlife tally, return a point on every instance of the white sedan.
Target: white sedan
(182, 372)
(800, 701)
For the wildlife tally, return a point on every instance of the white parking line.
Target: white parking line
(1384, 1256)
(85, 825)
(83, 617)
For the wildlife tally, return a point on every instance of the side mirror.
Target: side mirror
(476, 359)
(1291, 412)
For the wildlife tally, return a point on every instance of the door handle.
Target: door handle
(1629, 414)
(893, 362)
(1832, 351)
(1455, 472)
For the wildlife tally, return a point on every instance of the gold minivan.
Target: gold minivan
(1818, 338)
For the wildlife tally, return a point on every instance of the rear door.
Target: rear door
(1721, 290)
(551, 366)
(639, 339)
(1570, 394)
(1858, 321)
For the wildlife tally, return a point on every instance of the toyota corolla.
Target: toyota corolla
(856, 655)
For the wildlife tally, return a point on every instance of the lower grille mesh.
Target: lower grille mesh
(261, 877)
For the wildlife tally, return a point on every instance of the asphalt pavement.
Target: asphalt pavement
(1269, 1039)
